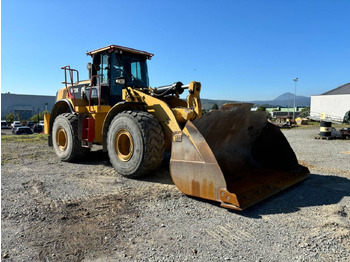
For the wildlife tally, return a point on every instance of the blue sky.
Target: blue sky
(238, 50)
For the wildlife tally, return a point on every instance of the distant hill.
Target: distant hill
(282, 100)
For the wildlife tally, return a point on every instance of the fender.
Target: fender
(116, 109)
(60, 107)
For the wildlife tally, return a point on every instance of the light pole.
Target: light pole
(295, 94)
(288, 102)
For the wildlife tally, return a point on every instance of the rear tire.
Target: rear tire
(135, 143)
(65, 139)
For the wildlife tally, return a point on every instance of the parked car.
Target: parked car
(4, 124)
(38, 128)
(30, 124)
(42, 123)
(16, 124)
(23, 130)
(14, 129)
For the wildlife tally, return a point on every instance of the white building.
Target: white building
(332, 105)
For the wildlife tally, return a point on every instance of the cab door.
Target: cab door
(101, 69)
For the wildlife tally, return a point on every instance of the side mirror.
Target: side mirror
(89, 67)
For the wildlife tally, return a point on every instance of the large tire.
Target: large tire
(65, 138)
(135, 143)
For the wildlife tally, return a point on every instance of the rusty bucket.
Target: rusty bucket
(233, 156)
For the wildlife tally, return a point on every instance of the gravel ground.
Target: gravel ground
(55, 211)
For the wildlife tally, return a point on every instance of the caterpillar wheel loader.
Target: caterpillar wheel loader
(232, 155)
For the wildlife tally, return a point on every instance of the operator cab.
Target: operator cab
(114, 67)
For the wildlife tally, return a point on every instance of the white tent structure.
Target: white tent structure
(331, 105)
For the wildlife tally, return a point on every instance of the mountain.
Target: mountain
(285, 100)
(285, 96)
(282, 100)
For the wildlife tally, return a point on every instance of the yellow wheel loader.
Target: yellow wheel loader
(232, 155)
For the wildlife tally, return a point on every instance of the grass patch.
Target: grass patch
(337, 126)
(317, 124)
(310, 125)
(24, 138)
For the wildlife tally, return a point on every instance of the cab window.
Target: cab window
(101, 67)
(136, 70)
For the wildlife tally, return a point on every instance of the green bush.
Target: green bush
(305, 112)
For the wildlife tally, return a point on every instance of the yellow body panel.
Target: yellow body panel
(169, 117)
(159, 109)
(193, 100)
(99, 114)
(62, 94)
(184, 114)
(99, 119)
(92, 110)
(46, 123)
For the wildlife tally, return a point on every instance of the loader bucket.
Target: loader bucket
(233, 156)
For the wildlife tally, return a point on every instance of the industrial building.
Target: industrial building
(25, 105)
(331, 105)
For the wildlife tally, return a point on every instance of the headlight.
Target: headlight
(120, 81)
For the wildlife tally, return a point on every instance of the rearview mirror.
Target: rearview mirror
(89, 67)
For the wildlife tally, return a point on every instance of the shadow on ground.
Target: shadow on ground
(317, 190)
(96, 157)
(161, 175)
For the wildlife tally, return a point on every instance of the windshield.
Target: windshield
(133, 68)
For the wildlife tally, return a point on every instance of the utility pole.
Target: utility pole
(295, 94)
(288, 102)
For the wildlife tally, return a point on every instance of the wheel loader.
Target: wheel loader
(232, 155)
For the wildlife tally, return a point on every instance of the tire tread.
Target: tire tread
(153, 137)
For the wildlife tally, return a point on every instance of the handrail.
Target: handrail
(65, 68)
(99, 92)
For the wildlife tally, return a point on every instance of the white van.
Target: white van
(4, 124)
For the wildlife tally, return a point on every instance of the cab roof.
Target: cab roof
(111, 48)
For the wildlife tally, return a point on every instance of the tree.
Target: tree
(9, 117)
(18, 117)
(305, 112)
(261, 108)
(41, 116)
(346, 119)
(215, 107)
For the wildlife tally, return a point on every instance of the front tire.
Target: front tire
(135, 143)
(65, 139)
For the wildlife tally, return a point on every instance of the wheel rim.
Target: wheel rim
(124, 145)
(61, 139)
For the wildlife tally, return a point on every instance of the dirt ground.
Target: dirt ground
(55, 211)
